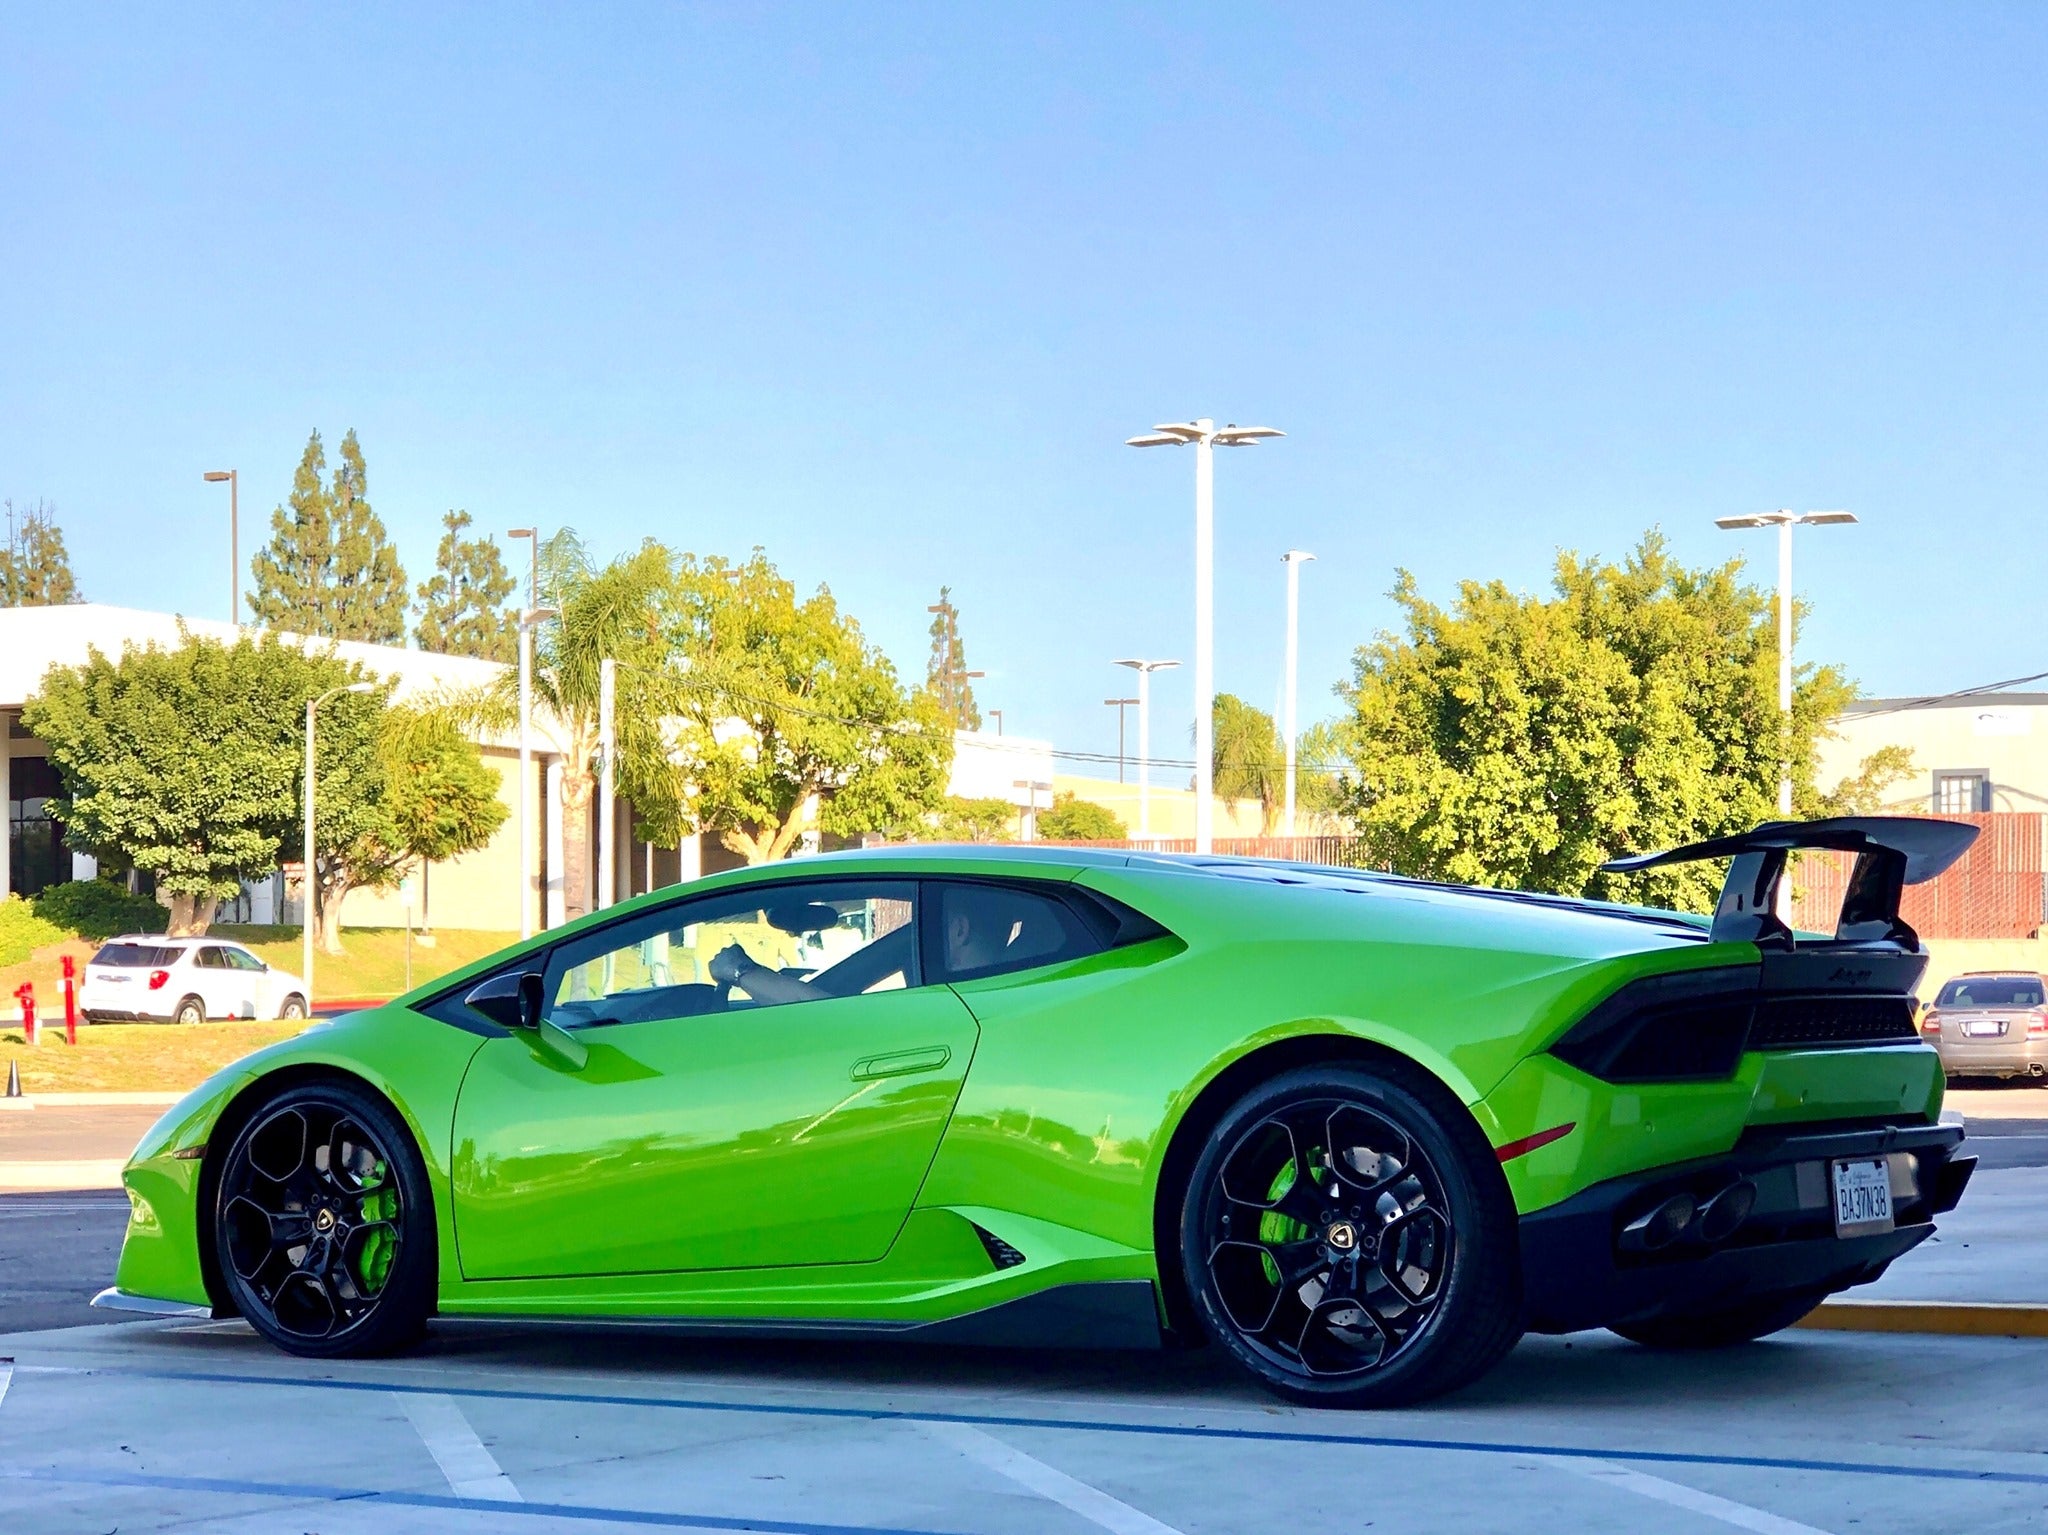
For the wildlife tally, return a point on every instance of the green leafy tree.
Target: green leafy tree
(946, 668)
(1073, 819)
(462, 609)
(781, 716)
(1518, 741)
(187, 762)
(962, 819)
(330, 569)
(35, 568)
(1249, 761)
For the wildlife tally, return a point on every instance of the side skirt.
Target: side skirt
(1092, 1314)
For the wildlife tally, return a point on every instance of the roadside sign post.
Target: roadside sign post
(405, 893)
(25, 994)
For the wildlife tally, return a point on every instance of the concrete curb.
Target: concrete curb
(74, 1176)
(106, 1100)
(1972, 1319)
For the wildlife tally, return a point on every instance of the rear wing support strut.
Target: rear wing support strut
(1892, 852)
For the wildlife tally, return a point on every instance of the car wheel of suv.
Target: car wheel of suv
(324, 1227)
(1729, 1325)
(1347, 1237)
(294, 1008)
(191, 1010)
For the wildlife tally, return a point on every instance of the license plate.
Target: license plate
(1988, 1028)
(1863, 1196)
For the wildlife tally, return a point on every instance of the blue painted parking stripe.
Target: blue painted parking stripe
(1109, 1426)
(314, 1492)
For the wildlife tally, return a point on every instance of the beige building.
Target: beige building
(1986, 751)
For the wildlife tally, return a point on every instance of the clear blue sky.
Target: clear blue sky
(883, 288)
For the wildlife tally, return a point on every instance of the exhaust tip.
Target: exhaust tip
(1659, 1226)
(1721, 1216)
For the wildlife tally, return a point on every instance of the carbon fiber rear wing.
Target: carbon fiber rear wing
(1892, 852)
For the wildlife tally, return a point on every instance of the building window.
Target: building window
(37, 855)
(1962, 792)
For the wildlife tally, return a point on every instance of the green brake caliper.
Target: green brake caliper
(373, 1260)
(1276, 1229)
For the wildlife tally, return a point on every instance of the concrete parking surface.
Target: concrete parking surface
(159, 1425)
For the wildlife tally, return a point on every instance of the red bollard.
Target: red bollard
(70, 999)
(25, 994)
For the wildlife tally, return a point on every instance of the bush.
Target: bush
(23, 931)
(93, 908)
(1073, 819)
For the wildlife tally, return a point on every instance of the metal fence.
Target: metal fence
(1995, 890)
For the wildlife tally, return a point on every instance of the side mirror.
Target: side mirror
(512, 1000)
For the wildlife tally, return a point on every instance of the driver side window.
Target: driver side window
(761, 946)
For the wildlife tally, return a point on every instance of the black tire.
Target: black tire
(293, 1010)
(1743, 1323)
(190, 1011)
(1389, 1274)
(324, 1225)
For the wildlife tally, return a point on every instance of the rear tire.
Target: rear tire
(190, 1011)
(323, 1224)
(1347, 1238)
(1743, 1323)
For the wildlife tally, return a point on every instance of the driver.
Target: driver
(734, 966)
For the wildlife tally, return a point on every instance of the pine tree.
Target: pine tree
(330, 569)
(946, 672)
(35, 568)
(462, 609)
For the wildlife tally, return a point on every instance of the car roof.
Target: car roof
(1998, 975)
(164, 940)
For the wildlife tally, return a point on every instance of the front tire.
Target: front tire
(324, 1226)
(1347, 1238)
(1723, 1328)
(294, 1009)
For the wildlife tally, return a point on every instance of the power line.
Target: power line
(1934, 700)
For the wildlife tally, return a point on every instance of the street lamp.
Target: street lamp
(1145, 669)
(530, 619)
(1784, 522)
(1202, 435)
(234, 479)
(997, 716)
(1294, 559)
(1119, 704)
(309, 880)
(608, 779)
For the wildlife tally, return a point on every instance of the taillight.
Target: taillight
(158, 978)
(1930, 1022)
(2037, 1022)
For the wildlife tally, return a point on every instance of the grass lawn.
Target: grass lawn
(133, 1057)
(375, 963)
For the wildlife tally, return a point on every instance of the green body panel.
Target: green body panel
(761, 1164)
(730, 1141)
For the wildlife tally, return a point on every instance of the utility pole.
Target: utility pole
(1120, 704)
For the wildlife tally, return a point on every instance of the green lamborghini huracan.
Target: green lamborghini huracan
(1358, 1131)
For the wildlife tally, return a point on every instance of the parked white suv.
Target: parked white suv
(148, 978)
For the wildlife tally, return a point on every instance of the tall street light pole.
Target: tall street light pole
(1119, 704)
(1145, 669)
(1294, 560)
(234, 479)
(530, 619)
(309, 881)
(1202, 435)
(608, 779)
(1784, 522)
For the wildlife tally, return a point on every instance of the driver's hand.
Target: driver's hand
(729, 964)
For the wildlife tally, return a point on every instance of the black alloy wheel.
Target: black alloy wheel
(324, 1228)
(1348, 1238)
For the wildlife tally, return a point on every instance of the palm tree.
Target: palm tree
(1249, 760)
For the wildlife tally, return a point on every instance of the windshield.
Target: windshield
(1991, 991)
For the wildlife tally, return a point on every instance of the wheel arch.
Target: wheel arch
(235, 1114)
(1206, 1110)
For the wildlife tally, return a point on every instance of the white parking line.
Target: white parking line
(1741, 1515)
(1091, 1503)
(6, 1377)
(471, 1470)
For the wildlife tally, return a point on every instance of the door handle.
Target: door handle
(901, 1063)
